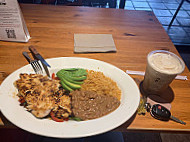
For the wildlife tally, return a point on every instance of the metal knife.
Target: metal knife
(37, 56)
(46, 69)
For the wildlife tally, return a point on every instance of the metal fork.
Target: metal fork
(34, 63)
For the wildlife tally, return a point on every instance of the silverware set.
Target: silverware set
(34, 62)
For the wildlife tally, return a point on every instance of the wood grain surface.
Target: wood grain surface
(135, 34)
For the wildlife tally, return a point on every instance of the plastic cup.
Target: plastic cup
(162, 68)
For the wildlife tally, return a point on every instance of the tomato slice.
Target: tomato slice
(53, 76)
(66, 119)
(56, 78)
(22, 100)
(52, 114)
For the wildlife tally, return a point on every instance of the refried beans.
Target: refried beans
(88, 105)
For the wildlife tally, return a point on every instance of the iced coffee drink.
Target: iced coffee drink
(162, 68)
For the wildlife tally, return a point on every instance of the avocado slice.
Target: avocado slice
(72, 72)
(66, 87)
(71, 85)
(73, 81)
(79, 72)
(70, 69)
(60, 74)
(64, 74)
(77, 78)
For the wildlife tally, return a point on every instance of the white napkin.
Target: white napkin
(93, 43)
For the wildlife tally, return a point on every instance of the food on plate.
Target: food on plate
(72, 79)
(62, 110)
(88, 105)
(99, 83)
(75, 94)
(40, 95)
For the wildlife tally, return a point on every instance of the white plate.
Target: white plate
(15, 113)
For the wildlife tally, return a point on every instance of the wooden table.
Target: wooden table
(135, 33)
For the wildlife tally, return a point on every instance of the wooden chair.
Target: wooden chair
(48, 1)
(76, 2)
(64, 2)
(122, 4)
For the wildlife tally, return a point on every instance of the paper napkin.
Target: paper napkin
(93, 43)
